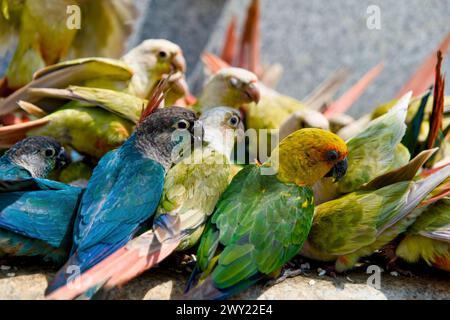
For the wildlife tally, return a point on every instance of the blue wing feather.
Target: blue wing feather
(45, 212)
(123, 192)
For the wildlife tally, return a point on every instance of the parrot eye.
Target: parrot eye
(332, 155)
(234, 121)
(183, 124)
(162, 54)
(49, 153)
(234, 82)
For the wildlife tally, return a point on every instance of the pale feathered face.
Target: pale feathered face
(221, 126)
(232, 87)
(157, 56)
(38, 155)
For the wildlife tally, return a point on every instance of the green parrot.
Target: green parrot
(192, 188)
(100, 116)
(265, 214)
(38, 34)
(373, 152)
(359, 223)
(429, 237)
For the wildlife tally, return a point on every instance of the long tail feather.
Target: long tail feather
(348, 98)
(229, 47)
(324, 93)
(250, 40)
(14, 133)
(423, 78)
(213, 63)
(437, 114)
(418, 193)
(139, 255)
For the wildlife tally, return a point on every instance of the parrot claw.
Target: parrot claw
(285, 274)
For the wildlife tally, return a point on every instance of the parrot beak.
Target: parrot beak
(178, 63)
(253, 92)
(338, 171)
(62, 159)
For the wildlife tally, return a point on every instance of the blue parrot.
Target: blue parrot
(36, 214)
(125, 189)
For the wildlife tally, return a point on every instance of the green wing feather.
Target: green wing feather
(373, 151)
(192, 191)
(261, 223)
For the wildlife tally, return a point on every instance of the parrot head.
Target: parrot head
(38, 155)
(221, 126)
(231, 87)
(307, 155)
(166, 133)
(157, 57)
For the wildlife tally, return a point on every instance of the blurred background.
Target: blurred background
(310, 39)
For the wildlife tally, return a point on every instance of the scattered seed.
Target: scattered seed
(394, 273)
(10, 274)
(312, 282)
(305, 266)
(5, 268)
(349, 279)
(321, 272)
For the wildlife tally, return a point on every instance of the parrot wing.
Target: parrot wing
(260, 223)
(39, 209)
(434, 223)
(123, 192)
(125, 105)
(107, 24)
(371, 152)
(191, 192)
(68, 73)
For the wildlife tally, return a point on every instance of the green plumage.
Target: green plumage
(260, 223)
(192, 191)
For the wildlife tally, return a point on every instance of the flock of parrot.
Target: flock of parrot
(93, 181)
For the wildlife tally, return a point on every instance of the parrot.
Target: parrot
(359, 223)
(126, 186)
(76, 174)
(192, 188)
(373, 152)
(105, 118)
(33, 157)
(37, 33)
(429, 237)
(264, 216)
(36, 214)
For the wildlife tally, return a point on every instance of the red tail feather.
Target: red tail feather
(424, 76)
(213, 63)
(437, 114)
(229, 47)
(250, 40)
(342, 104)
(156, 97)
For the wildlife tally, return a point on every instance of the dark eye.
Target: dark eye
(234, 82)
(49, 153)
(332, 155)
(162, 54)
(183, 124)
(234, 121)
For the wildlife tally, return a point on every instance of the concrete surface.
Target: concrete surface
(30, 280)
(311, 39)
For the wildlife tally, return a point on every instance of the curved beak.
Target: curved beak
(178, 63)
(62, 159)
(339, 170)
(253, 92)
